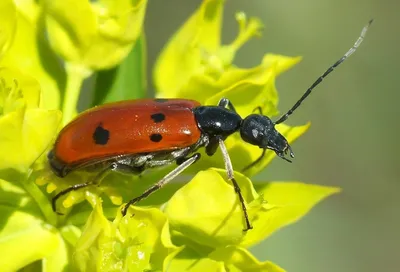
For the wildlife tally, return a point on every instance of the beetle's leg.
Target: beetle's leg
(128, 169)
(226, 103)
(255, 162)
(167, 178)
(114, 166)
(212, 146)
(229, 172)
(259, 109)
(75, 187)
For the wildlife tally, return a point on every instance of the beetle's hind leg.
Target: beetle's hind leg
(96, 180)
(183, 163)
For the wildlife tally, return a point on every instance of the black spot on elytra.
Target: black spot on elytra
(158, 117)
(101, 135)
(155, 137)
(160, 100)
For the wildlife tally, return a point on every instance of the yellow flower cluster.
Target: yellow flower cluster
(47, 49)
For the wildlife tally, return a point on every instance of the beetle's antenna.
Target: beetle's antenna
(327, 72)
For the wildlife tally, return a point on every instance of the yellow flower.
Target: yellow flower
(90, 36)
(26, 130)
(94, 34)
(23, 47)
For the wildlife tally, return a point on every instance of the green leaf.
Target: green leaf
(23, 229)
(213, 218)
(286, 202)
(59, 260)
(240, 259)
(207, 217)
(187, 259)
(126, 81)
(21, 217)
(13, 197)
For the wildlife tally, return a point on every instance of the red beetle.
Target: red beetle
(131, 136)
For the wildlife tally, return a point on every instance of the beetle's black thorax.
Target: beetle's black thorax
(217, 121)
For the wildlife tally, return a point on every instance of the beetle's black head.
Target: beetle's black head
(259, 130)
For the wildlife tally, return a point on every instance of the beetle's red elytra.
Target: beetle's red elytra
(124, 128)
(131, 136)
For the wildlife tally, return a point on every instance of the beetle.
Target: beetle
(131, 136)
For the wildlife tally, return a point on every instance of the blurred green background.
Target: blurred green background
(352, 142)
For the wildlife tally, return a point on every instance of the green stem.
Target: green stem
(41, 199)
(75, 76)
